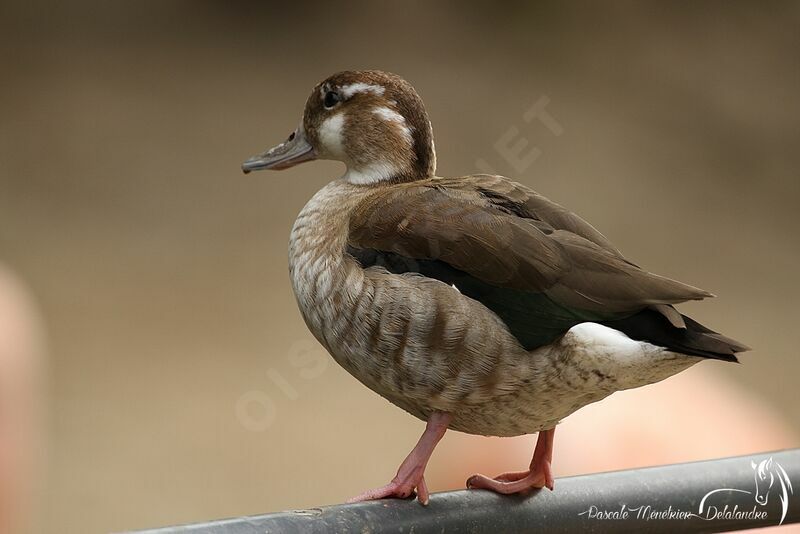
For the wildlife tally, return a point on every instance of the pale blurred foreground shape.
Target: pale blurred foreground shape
(21, 403)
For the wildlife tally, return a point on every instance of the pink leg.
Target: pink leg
(411, 474)
(538, 476)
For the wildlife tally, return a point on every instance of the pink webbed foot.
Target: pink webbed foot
(515, 482)
(411, 475)
(399, 488)
(539, 475)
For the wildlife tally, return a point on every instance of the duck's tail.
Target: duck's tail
(695, 339)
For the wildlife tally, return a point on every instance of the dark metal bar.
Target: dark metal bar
(656, 499)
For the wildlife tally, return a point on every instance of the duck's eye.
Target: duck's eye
(331, 99)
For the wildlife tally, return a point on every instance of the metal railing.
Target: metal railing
(711, 496)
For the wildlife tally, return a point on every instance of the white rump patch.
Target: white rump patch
(331, 135)
(596, 337)
(391, 115)
(348, 91)
(632, 363)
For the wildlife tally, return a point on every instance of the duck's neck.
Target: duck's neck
(323, 276)
(382, 171)
(397, 166)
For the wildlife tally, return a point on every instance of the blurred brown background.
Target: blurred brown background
(161, 270)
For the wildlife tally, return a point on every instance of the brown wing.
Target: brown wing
(507, 236)
(514, 196)
(504, 191)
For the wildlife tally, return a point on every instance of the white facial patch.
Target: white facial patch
(348, 91)
(331, 135)
(391, 115)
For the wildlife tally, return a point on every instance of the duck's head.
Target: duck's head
(372, 121)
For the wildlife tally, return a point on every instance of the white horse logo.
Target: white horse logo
(766, 473)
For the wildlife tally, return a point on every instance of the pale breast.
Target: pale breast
(416, 341)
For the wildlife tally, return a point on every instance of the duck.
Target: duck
(473, 303)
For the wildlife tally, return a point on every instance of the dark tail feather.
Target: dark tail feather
(653, 327)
